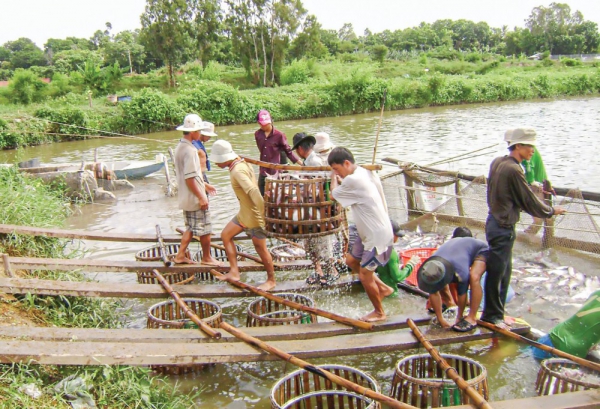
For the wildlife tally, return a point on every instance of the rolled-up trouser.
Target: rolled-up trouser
(499, 269)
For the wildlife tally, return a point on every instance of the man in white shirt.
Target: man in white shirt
(361, 190)
(191, 193)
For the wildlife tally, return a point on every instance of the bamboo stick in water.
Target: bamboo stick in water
(161, 246)
(201, 324)
(389, 402)
(476, 399)
(297, 306)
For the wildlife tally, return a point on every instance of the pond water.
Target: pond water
(569, 139)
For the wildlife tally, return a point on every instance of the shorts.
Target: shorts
(370, 259)
(198, 221)
(254, 232)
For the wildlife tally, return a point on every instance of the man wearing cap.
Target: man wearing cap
(461, 260)
(191, 193)
(271, 143)
(361, 190)
(507, 194)
(207, 131)
(250, 218)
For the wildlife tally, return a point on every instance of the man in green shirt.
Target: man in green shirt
(391, 274)
(577, 334)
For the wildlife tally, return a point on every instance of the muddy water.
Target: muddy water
(569, 134)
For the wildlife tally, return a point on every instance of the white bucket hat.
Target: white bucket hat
(323, 142)
(222, 152)
(191, 123)
(208, 129)
(524, 136)
(508, 135)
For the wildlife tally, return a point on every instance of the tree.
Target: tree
(549, 23)
(308, 43)
(101, 37)
(69, 60)
(25, 87)
(126, 50)
(208, 20)
(346, 33)
(24, 53)
(166, 27)
(379, 52)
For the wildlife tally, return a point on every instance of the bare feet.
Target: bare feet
(374, 316)
(211, 261)
(184, 260)
(229, 277)
(266, 286)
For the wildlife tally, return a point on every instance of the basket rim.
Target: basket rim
(327, 367)
(294, 401)
(439, 381)
(218, 313)
(282, 295)
(562, 376)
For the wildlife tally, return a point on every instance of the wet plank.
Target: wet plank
(124, 290)
(178, 353)
(574, 400)
(121, 266)
(281, 332)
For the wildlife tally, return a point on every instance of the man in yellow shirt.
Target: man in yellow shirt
(250, 218)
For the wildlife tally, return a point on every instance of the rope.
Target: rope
(98, 136)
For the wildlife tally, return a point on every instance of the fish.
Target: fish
(534, 279)
(571, 271)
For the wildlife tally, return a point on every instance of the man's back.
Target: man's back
(187, 165)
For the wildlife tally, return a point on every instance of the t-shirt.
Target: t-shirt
(391, 274)
(315, 160)
(245, 186)
(581, 331)
(461, 252)
(534, 168)
(270, 149)
(362, 192)
(187, 165)
(508, 193)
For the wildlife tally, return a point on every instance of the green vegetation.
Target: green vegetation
(26, 201)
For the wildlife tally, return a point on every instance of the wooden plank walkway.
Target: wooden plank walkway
(125, 290)
(574, 400)
(274, 333)
(123, 266)
(180, 353)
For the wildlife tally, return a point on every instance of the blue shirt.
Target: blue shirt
(461, 252)
(199, 145)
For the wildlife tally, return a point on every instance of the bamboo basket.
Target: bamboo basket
(148, 277)
(303, 389)
(263, 312)
(301, 208)
(153, 253)
(551, 381)
(168, 314)
(420, 382)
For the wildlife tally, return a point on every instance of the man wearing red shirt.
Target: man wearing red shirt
(271, 143)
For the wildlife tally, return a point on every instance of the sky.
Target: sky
(43, 19)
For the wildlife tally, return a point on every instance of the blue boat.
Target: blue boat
(135, 170)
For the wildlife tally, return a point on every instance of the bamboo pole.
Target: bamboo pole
(339, 318)
(291, 243)
(298, 167)
(557, 352)
(161, 247)
(379, 126)
(7, 267)
(240, 253)
(201, 324)
(476, 399)
(371, 394)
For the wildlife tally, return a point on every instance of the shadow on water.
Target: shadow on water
(568, 133)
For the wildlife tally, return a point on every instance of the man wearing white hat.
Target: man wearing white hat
(191, 192)
(323, 146)
(250, 218)
(508, 193)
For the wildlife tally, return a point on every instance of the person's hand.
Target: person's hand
(203, 203)
(559, 210)
(414, 260)
(210, 189)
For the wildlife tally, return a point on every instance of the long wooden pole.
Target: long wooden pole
(557, 352)
(297, 306)
(361, 390)
(300, 168)
(476, 399)
(161, 248)
(201, 324)
(379, 126)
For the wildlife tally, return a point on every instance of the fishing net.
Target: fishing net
(424, 197)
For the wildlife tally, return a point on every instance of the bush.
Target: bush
(570, 62)
(473, 57)
(219, 103)
(297, 72)
(59, 85)
(25, 87)
(146, 106)
(379, 53)
(67, 120)
(486, 68)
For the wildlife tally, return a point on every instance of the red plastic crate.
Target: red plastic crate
(424, 253)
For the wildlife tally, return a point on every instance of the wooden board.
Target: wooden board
(124, 290)
(90, 235)
(178, 353)
(89, 265)
(274, 333)
(574, 400)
